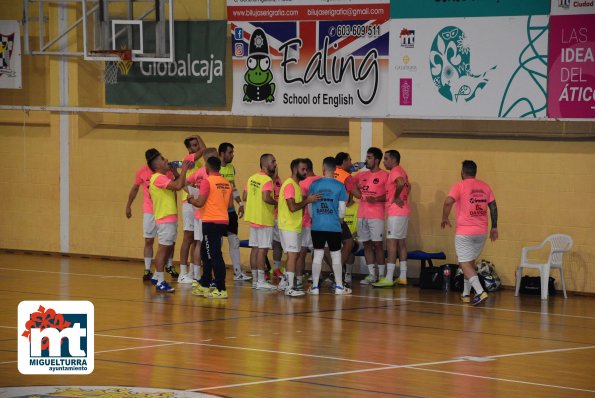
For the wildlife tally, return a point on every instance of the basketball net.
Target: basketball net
(121, 65)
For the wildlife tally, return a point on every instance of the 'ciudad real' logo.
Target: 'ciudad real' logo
(56, 337)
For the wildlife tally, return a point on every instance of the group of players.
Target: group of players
(305, 213)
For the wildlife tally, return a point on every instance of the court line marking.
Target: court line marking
(501, 379)
(69, 273)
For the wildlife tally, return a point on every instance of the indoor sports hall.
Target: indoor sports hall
(480, 102)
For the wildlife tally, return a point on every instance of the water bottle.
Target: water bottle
(176, 164)
(357, 166)
(446, 279)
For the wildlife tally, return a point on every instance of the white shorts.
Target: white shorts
(261, 237)
(370, 229)
(167, 233)
(149, 226)
(469, 247)
(396, 227)
(291, 241)
(276, 235)
(188, 216)
(307, 238)
(197, 229)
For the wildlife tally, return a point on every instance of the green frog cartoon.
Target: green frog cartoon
(259, 86)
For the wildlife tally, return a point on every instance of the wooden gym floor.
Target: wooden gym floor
(400, 342)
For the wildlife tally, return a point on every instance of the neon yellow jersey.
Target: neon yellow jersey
(228, 172)
(257, 211)
(290, 220)
(197, 165)
(164, 200)
(351, 217)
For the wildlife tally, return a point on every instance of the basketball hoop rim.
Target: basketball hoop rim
(119, 55)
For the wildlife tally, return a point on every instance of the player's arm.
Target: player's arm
(342, 209)
(400, 185)
(202, 147)
(311, 198)
(448, 202)
(180, 181)
(356, 192)
(131, 197)
(494, 217)
(267, 197)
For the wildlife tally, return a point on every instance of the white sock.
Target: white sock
(183, 269)
(276, 264)
(234, 253)
(260, 275)
(170, 261)
(191, 270)
(466, 287)
(148, 263)
(196, 271)
(381, 268)
(403, 270)
(390, 271)
(316, 266)
(159, 276)
(290, 278)
(348, 268)
(337, 268)
(372, 270)
(474, 280)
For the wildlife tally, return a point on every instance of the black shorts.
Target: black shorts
(232, 227)
(321, 238)
(345, 232)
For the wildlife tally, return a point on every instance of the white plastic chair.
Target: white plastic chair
(559, 244)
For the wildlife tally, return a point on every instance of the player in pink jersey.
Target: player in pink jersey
(277, 248)
(472, 199)
(142, 179)
(371, 188)
(397, 209)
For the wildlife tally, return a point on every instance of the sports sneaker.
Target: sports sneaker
(294, 293)
(465, 299)
(172, 271)
(200, 290)
(185, 278)
(368, 280)
(195, 282)
(265, 286)
(314, 290)
(283, 284)
(165, 287)
(402, 281)
(217, 294)
(242, 277)
(299, 285)
(348, 278)
(340, 290)
(153, 281)
(277, 273)
(383, 282)
(267, 276)
(147, 275)
(479, 298)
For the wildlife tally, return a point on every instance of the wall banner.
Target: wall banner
(10, 55)
(196, 78)
(469, 67)
(467, 8)
(332, 67)
(571, 84)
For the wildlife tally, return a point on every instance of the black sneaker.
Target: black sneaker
(172, 271)
(147, 275)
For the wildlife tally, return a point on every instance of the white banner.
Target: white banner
(469, 67)
(10, 55)
(572, 7)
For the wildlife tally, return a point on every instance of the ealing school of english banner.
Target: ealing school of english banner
(479, 66)
(196, 78)
(10, 55)
(571, 83)
(298, 58)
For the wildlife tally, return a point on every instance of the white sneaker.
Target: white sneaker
(340, 290)
(294, 293)
(314, 290)
(368, 280)
(242, 277)
(186, 278)
(265, 286)
(283, 285)
(347, 278)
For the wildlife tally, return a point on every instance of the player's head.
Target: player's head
(226, 152)
(469, 169)
(154, 159)
(373, 157)
(268, 163)
(309, 166)
(209, 153)
(191, 143)
(298, 169)
(392, 158)
(343, 160)
(329, 166)
(213, 164)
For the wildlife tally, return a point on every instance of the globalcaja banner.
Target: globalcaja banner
(335, 67)
(480, 67)
(10, 55)
(466, 8)
(571, 84)
(196, 78)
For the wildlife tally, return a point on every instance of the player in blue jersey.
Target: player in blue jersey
(326, 225)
